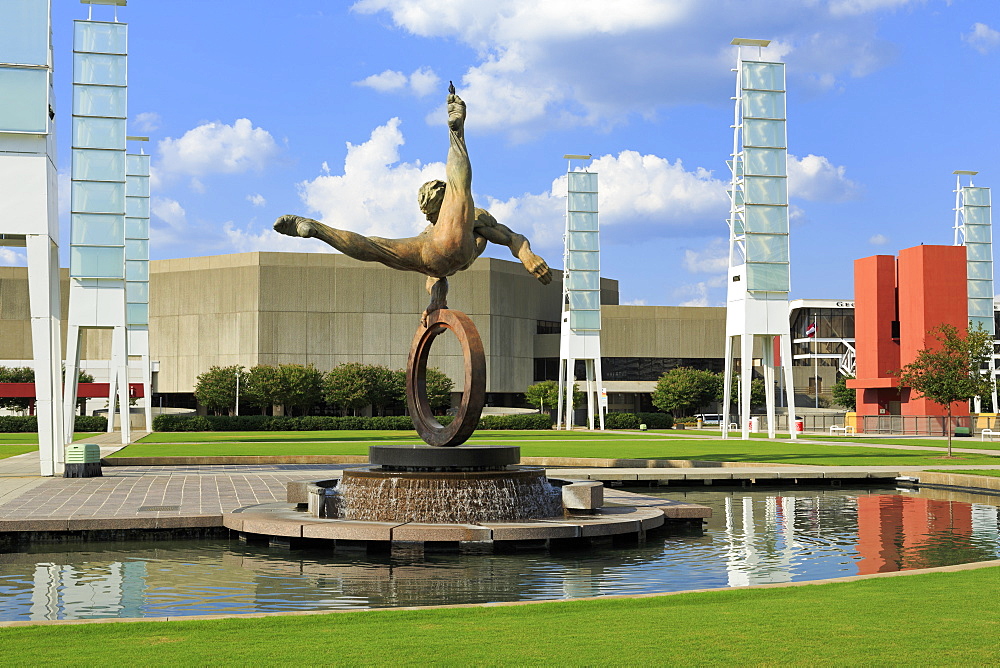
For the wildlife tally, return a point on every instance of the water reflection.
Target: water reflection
(754, 537)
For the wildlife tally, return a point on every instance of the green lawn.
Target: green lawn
(993, 473)
(931, 619)
(9, 438)
(542, 444)
(971, 443)
(8, 450)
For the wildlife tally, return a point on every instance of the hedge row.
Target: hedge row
(633, 420)
(26, 424)
(328, 423)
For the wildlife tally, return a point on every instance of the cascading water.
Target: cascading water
(462, 497)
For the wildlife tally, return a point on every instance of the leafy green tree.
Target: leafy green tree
(216, 388)
(16, 374)
(439, 388)
(346, 387)
(384, 386)
(952, 370)
(545, 395)
(261, 387)
(683, 390)
(843, 395)
(758, 395)
(300, 387)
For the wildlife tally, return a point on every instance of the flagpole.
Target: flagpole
(815, 370)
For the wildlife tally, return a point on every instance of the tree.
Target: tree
(439, 387)
(385, 387)
(683, 390)
(951, 371)
(843, 395)
(17, 374)
(300, 387)
(261, 387)
(346, 387)
(216, 388)
(758, 396)
(545, 395)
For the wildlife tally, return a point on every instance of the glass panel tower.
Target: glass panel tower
(757, 299)
(581, 316)
(100, 210)
(28, 199)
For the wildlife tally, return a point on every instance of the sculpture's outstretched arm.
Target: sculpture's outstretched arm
(497, 233)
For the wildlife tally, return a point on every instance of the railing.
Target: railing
(819, 422)
(910, 425)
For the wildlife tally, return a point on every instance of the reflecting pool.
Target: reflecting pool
(753, 537)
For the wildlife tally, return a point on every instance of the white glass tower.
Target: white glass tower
(28, 200)
(757, 300)
(97, 239)
(581, 316)
(974, 230)
(137, 269)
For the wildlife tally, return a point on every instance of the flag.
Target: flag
(811, 330)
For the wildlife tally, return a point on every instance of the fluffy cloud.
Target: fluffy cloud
(217, 148)
(421, 82)
(253, 238)
(563, 62)
(376, 194)
(816, 179)
(147, 121)
(257, 199)
(982, 38)
(713, 259)
(10, 257)
(878, 240)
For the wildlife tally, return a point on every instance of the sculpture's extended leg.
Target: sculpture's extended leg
(349, 243)
(438, 290)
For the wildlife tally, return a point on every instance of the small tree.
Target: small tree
(843, 395)
(684, 390)
(261, 387)
(384, 387)
(439, 387)
(951, 371)
(346, 387)
(216, 388)
(546, 395)
(300, 387)
(757, 391)
(17, 374)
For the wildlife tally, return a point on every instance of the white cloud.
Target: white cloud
(217, 148)
(713, 259)
(257, 199)
(982, 38)
(12, 258)
(816, 179)
(856, 7)
(251, 239)
(421, 82)
(560, 63)
(702, 293)
(878, 240)
(641, 196)
(147, 121)
(375, 194)
(634, 302)
(175, 229)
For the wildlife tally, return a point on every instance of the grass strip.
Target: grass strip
(928, 619)
(401, 436)
(9, 450)
(556, 444)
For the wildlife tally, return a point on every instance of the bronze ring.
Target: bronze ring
(474, 396)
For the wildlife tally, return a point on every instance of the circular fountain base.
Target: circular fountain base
(454, 497)
(419, 458)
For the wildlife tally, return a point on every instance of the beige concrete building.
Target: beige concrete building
(326, 308)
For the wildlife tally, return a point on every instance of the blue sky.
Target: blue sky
(334, 110)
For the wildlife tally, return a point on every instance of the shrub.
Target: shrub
(327, 423)
(621, 421)
(90, 423)
(18, 424)
(656, 420)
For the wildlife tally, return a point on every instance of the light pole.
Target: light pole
(237, 392)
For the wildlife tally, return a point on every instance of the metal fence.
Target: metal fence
(911, 425)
